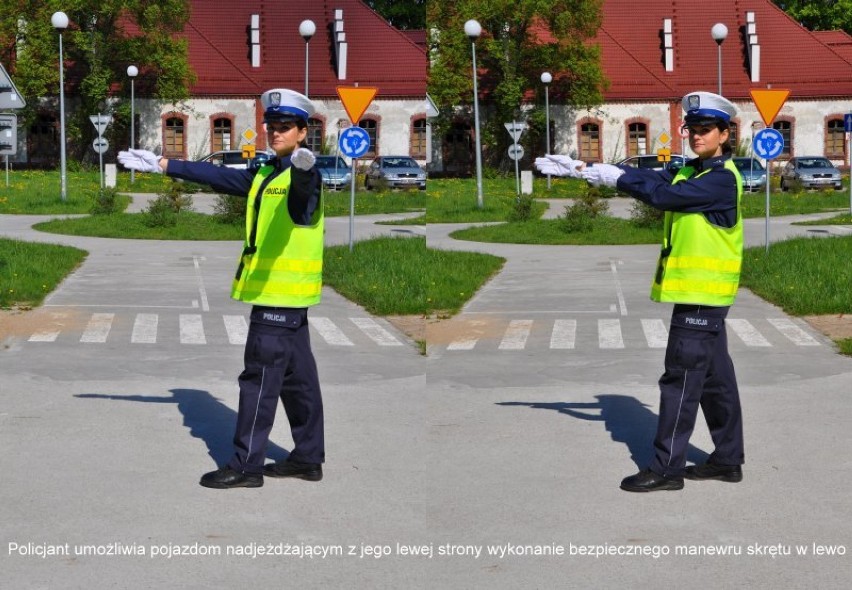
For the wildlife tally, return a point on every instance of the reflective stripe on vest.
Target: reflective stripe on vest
(281, 265)
(700, 262)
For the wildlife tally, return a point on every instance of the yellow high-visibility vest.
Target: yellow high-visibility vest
(281, 264)
(700, 262)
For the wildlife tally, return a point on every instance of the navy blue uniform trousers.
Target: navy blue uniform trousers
(279, 363)
(698, 372)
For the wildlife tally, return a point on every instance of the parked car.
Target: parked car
(810, 172)
(753, 173)
(336, 173)
(229, 158)
(395, 172)
(650, 161)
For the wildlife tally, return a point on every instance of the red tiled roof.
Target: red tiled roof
(839, 41)
(378, 54)
(791, 56)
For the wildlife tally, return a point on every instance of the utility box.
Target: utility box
(110, 175)
(526, 182)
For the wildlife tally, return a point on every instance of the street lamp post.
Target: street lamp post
(546, 79)
(473, 29)
(132, 72)
(59, 20)
(307, 28)
(719, 32)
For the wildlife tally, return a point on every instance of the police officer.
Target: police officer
(280, 275)
(698, 271)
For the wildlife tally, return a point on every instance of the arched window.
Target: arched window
(315, 135)
(786, 130)
(222, 134)
(417, 141)
(371, 126)
(835, 139)
(637, 139)
(733, 135)
(590, 142)
(174, 137)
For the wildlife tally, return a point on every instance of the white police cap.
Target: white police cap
(707, 107)
(282, 104)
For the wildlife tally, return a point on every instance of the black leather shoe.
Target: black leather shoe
(729, 473)
(307, 471)
(228, 478)
(648, 481)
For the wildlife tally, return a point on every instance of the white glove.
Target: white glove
(140, 160)
(556, 165)
(303, 159)
(602, 174)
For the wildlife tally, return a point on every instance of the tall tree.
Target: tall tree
(408, 14)
(820, 15)
(520, 40)
(102, 39)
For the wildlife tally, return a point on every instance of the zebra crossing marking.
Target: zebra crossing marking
(237, 329)
(98, 328)
(564, 335)
(192, 329)
(793, 332)
(656, 333)
(330, 332)
(515, 337)
(145, 328)
(375, 332)
(747, 332)
(609, 334)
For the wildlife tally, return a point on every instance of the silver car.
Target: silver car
(676, 162)
(810, 172)
(395, 172)
(336, 173)
(753, 173)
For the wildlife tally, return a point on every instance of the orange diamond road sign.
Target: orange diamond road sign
(356, 99)
(769, 102)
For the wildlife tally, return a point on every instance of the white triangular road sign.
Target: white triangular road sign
(515, 129)
(100, 122)
(10, 98)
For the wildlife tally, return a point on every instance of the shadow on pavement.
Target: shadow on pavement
(206, 418)
(628, 421)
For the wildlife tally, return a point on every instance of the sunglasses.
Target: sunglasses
(279, 127)
(697, 130)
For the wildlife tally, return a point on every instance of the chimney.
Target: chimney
(254, 40)
(753, 47)
(668, 45)
(340, 44)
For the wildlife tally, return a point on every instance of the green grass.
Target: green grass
(131, 226)
(454, 200)
(400, 276)
(38, 192)
(604, 231)
(845, 346)
(29, 272)
(790, 203)
(804, 276)
(337, 204)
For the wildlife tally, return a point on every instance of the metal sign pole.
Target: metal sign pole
(768, 182)
(101, 159)
(850, 174)
(7, 171)
(517, 171)
(352, 208)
